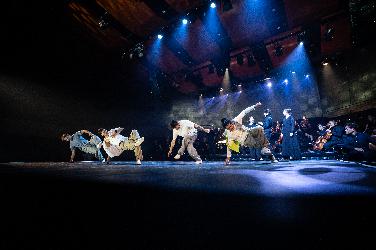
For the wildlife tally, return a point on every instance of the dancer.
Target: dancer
(290, 144)
(239, 135)
(77, 141)
(187, 130)
(114, 143)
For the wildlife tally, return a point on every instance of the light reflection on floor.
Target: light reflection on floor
(329, 177)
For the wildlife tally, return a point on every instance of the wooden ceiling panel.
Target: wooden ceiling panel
(135, 15)
(341, 38)
(197, 42)
(244, 23)
(108, 37)
(244, 71)
(187, 87)
(164, 59)
(183, 5)
(301, 12)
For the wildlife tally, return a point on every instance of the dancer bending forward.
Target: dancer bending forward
(239, 135)
(114, 143)
(187, 130)
(77, 141)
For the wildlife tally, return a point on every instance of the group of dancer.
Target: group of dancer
(114, 144)
(237, 135)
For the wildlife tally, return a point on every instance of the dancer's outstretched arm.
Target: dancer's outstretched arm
(240, 117)
(115, 131)
(206, 130)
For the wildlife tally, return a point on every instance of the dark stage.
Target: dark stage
(310, 204)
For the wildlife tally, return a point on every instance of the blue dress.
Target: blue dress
(290, 144)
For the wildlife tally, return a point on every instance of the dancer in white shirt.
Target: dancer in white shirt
(187, 130)
(114, 143)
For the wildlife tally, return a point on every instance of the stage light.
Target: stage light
(269, 84)
(104, 21)
(226, 69)
(212, 5)
(184, 21)
(286, 81)
(221, 89)
(324, 63)
(301, 43)
(293, 72)
(240, 91)
(160, 36)
(103, 24)
(137, 50)
(307, 76)
(329, 34)
(239, 85)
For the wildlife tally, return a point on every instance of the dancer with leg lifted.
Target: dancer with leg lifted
(239, 135)
(114, 143)
(77, 141)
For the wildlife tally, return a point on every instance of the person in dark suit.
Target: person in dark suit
(268, 124)
(290, 144)
(336, 132)
(358, 145)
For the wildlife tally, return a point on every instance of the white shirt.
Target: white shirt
(114, 149)
(187, 128)
(115, 140)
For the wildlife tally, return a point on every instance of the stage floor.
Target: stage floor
(311, 204)
(324, 177)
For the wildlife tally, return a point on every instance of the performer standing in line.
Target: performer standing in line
(254, 152)
(268, 124)
(114, 143)
(239, 135)
(290, 144)
(187, 130)
(77, 141)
